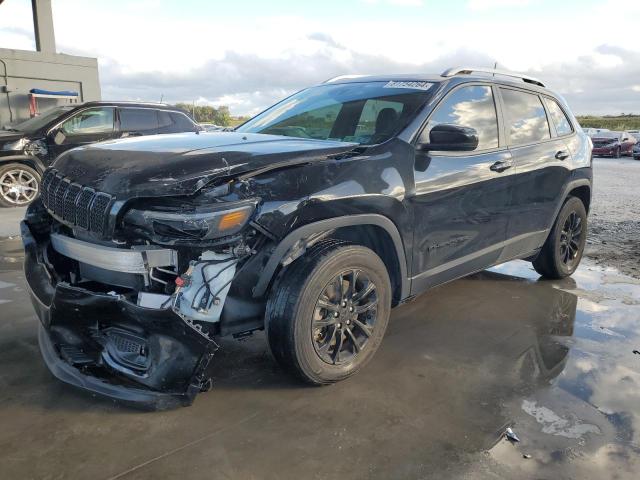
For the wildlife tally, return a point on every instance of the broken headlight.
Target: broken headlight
(16, 145)
(200, 223)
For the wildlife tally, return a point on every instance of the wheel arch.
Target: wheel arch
(374, 231)
(32, 162)
(583, 192)
(579, 187)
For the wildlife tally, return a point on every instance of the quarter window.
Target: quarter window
(560, 120)
(89, 122)
(473, 107)
(173, 122)
(525, 117)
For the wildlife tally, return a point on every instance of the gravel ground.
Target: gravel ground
(614, 221)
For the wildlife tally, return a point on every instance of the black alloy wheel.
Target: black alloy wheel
(345, 317)
(570, 239)
(562, 251)
(328, 311)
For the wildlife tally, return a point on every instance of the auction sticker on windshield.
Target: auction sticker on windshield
(414, 85)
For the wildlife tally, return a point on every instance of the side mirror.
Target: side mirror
(57, 136)
(448, 137)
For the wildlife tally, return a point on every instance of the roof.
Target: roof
(458, 75)
(124, 103)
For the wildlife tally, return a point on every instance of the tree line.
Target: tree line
(612, 122)
(207, 114)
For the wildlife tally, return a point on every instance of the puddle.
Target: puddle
(11, 254)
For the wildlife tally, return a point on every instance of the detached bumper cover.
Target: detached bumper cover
(107, 345)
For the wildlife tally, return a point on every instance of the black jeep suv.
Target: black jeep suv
(311, 221)
(26, 148)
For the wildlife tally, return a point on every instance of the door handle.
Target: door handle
(562, 155)
(501, 165)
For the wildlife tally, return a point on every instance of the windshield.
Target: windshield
(364, 113)
(40, 121)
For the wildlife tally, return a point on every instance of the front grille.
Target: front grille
(74, 204)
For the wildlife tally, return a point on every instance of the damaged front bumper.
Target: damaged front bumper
(106, 344)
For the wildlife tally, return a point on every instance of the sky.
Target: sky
(247, 54)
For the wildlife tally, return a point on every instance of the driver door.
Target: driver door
(87, 126)
(462, 200)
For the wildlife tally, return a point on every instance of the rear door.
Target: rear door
(462, 200)
(542, 159)
(87, 126)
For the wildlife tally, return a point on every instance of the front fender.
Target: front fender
(306, 231)
(29, 160)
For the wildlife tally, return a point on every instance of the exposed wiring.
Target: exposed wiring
(206, 282)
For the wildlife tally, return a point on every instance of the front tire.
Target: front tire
(328, 311)
(19, 185)
(563, 249)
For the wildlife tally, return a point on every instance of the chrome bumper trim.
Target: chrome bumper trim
(135, 260)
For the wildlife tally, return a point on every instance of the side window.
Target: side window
(182, 123)
(173, 122)
(138, 120)
(473, 107)
(560, 120)
(525, 117)
(89, 122)
(378, 121)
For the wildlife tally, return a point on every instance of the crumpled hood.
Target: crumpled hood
(179, 164)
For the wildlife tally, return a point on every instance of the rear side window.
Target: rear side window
(139, 120)
(473, 107)
(559, 118)
(525, 117)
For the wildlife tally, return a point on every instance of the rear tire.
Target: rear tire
(563, 249)
(328, 311)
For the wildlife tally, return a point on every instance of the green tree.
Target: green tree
(207, 114)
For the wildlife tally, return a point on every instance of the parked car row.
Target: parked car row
(28, 147)
(613, 144)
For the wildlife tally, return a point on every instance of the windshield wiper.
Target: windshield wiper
(10, 129)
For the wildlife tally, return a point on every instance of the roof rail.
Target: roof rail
(469, 70)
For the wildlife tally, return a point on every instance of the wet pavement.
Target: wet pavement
(460, 364)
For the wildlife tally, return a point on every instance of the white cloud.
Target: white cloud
(491, 4)
(402, 3)
(250, 61)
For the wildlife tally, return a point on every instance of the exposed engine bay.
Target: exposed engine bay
(152, 297)
(137, 258)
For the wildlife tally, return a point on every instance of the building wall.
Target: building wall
(22, 70)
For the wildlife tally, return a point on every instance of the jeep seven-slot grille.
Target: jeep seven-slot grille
(74, 204)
